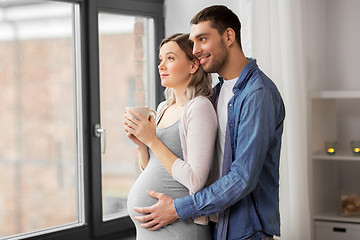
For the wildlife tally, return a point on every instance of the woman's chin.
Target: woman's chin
(163, 83)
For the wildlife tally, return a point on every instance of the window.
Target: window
(40, 121)
(125, 80)
(67, 69)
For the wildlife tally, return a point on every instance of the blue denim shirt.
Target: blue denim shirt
(247, 196)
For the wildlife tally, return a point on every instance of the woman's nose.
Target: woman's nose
(161, 66)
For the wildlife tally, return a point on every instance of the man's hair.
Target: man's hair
(220, 18)
(200, 83)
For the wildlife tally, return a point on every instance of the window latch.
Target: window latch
(98, 131)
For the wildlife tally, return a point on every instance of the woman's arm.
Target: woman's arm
(145, 131)
(143, 154)
(200, 123)
(166, 157)
(142, 149)
(201, 126)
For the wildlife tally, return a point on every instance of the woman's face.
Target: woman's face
(174, 67)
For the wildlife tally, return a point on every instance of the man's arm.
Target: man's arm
(253, 136)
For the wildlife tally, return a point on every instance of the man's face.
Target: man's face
(209, 47)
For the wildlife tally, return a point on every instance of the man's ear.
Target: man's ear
(229, 36)
(194, 66)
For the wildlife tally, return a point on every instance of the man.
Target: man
(250, 114)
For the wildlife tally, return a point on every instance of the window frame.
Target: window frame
(95, 227)
(142, 8)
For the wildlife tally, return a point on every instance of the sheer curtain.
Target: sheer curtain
(275, 38)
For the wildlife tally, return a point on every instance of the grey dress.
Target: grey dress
(156, 178)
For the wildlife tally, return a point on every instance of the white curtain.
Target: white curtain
(276, 39)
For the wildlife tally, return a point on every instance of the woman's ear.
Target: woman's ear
(194, 66)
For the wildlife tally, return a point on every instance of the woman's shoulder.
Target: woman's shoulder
(200, 112)
(199, 101)
(199, 106)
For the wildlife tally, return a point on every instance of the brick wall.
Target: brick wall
(37, 125)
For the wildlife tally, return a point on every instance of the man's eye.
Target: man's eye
(202, 39)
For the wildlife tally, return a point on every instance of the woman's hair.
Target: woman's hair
(200, 83)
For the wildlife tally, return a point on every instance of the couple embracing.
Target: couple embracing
(210, 159)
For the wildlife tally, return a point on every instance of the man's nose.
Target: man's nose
(196, 49)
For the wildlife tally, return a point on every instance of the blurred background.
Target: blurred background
(69, 68)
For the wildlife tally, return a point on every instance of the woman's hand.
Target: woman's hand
(134, 139)
(142, 130)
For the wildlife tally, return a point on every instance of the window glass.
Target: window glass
(40, 150)
(125, 80)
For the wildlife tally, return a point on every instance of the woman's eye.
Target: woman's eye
(170, 58)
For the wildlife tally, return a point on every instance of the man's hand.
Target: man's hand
(158, 215)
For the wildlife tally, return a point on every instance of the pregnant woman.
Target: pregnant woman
(175, 149)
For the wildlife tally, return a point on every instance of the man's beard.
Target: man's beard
(219, 61)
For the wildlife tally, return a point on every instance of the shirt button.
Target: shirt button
(230, 104)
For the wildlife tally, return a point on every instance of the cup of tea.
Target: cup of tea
(146, 111)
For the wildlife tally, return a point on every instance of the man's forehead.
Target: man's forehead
(200, 29)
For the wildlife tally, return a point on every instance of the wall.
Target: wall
(333, 44)
(179, 13)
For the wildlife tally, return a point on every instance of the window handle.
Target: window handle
(98, 132)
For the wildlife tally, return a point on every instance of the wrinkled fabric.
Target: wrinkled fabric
(247, 196)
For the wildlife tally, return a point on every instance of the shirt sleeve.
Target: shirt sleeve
(201, 127)
(253, 135)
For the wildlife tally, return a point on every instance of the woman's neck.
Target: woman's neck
(179, 97)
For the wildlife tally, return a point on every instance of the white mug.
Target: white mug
(146, 111)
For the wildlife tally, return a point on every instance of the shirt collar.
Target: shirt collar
(244, 75)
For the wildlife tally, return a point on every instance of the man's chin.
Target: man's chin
(209, 69)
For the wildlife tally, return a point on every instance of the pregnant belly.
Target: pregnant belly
(157, 179)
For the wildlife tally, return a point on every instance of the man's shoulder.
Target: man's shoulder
(259, 81)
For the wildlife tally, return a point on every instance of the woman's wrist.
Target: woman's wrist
(142, 148)
(153, 143)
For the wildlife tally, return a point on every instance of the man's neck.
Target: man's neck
(235, 64)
